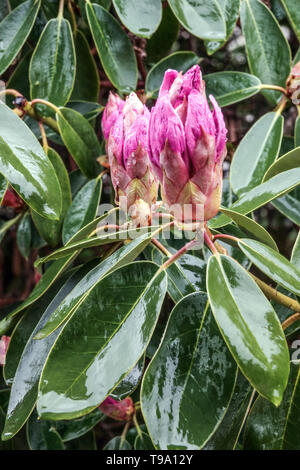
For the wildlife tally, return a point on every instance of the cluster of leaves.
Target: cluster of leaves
(193, 344)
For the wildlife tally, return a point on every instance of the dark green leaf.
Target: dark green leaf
(269, 55)
(272, 263)
(143, 442)
(41, 435)
(271, 428)
(24, 235)
(231, 11)
(293, 12)
(117, 443)
(141, 18)
(161, 41)
(14, 30)
(256, 152)
(114, 48)
(53, 63)
(75, 428)
(231, 87)
(181, 398)
(249, 326)
(130, 382)
(87, 83)
(27, 168)
(83, 209)
(111, 312)
(50, 230)
(80, 139)
(201, 18)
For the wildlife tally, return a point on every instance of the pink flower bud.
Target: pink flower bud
(128, 153)
(118, 410)
(111, 113)
(293, 84)
(187, 143)
(4, 342)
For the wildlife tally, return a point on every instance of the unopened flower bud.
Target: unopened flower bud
(187, 143)
(4, 342)
(118, 410)
(13, 200)
(128, 153)
(293, 84)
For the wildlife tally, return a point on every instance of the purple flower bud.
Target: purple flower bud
(118, 410)
(187, 142)
(111, 113)
(128, 154)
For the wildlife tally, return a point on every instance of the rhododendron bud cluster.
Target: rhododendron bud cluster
(184, 140)
(293, 84)
(118, 410)
(4, 342)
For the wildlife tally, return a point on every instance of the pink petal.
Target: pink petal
(111, 113)
(4, 342)
(221, 130)
(169, 77)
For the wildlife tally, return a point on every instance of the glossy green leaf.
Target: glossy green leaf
(161, 41)
(3, 188)
(50, 230)
(14, 30)
(231, 11)
(227, 435)
(181, 398)
(251, 228)
(75, 428)
(121, 257)
(41, 435)
(231, 87)
(19, 79)
(27, 168)
(143, 442)
(268, 52)
(271, 428)
(83, 209)
(24, 235)
(88, 109)
(289, 206)
(261, 195)
(53, 63)
(100, 327)
(181, 61)
(201, 18)
(109, 237)
(130, 382)
(295, 256)
(272, 263)
(141, 18)
(293, 12)
(249, 325)
(80, 139)
(114, 48)
(117, 443)
(287, 162)
(85, 442)
(25, 386)
(87, 82)
(256, 152)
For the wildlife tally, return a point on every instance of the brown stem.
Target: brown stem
(210, 244)
(289, 321)
(161, 247)
(223, 235)
(273, 294)
(177, 255)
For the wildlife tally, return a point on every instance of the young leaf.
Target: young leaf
(80, 139)
(181, 400)
(231, 87)
(268, 52)
(14, 30)
(201, 18)
(26, 166)
(250, 327)
(102, 324)
(141, 18)
(53, 63)
(114, 48)
(272, 263)
(256, 152)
